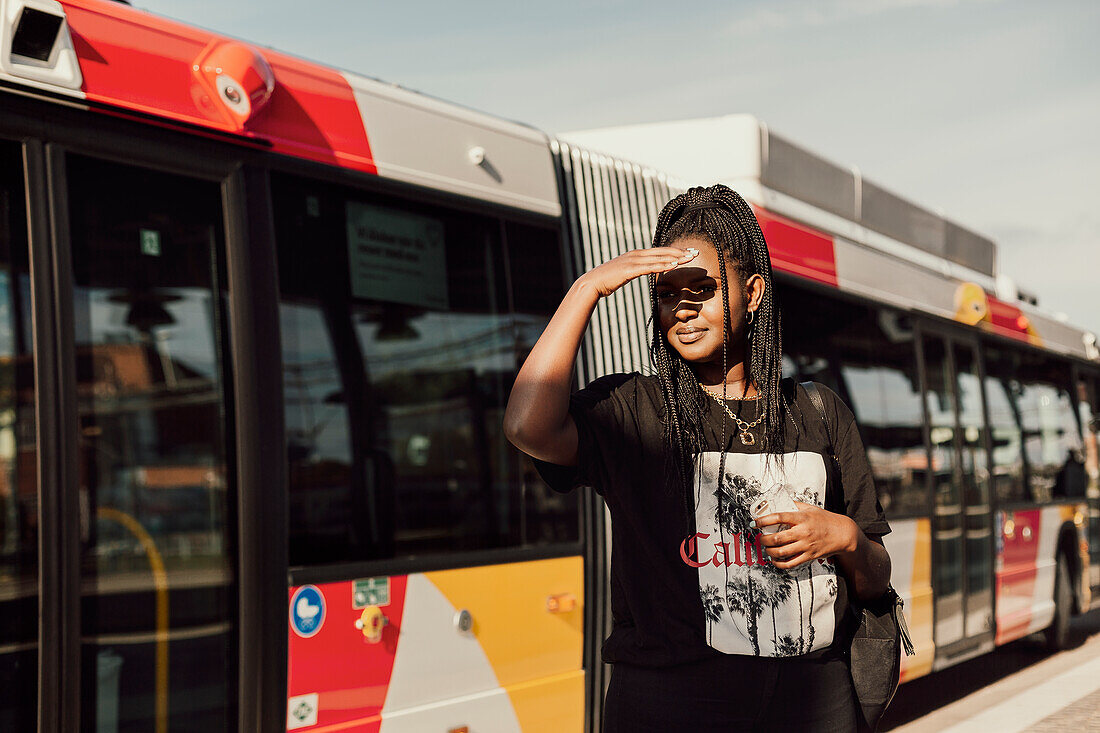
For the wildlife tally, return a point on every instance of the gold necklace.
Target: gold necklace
(746, 437)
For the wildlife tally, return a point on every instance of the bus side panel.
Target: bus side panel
(534, 652)
(1016, 571)
(1026, 567)
(516, 668)
(1042, 600)
(335, 675)
(910, 547)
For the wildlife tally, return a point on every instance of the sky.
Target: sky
(985, 110)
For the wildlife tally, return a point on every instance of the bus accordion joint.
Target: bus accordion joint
(233, 82)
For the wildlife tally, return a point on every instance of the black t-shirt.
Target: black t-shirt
(677, 599)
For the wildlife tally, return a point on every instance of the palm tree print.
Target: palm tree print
(741, 598)
(712, 607)
(787, 646)
(747, 585)
(735, 495)
(775, 588)
(806, 496)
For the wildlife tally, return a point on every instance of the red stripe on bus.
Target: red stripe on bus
(797, 249)
(350, 674)
(139, 62)
(1017, 574)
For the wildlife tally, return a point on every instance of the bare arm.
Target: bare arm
(537, 419)
(866, 566)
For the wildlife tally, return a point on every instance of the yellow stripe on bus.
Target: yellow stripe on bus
(535, 652)
(920, 606)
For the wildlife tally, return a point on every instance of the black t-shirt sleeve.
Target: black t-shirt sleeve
(605, 423)
(857, 480)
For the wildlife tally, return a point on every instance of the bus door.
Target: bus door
(19, 495)
(1088, 389)
(962, 520)
(157, 626)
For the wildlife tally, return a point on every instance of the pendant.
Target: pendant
(747, 438)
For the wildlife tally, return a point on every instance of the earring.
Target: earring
(751, 314)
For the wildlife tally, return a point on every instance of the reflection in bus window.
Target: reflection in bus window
(1007, 472)
(535, 286)
(1088, 400)
(940, 396)
(401, 339)
(18, 479)
(867, 355)
(148, 303)
(1033, 426)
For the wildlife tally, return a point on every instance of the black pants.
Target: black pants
(732, 693)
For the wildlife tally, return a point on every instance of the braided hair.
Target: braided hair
(721, 217)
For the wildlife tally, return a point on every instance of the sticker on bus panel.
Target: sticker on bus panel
(301, 711)
(396, 257)
(150, 242)
(370, 592)
(307, 611)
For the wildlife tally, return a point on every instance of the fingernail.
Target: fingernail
(752, 523)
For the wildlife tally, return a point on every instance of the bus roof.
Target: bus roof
(117, 58)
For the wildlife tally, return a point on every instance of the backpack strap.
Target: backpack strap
(815, 397)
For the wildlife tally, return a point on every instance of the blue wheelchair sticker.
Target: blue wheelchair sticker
(307, 611)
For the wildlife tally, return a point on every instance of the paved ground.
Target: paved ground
(1017, 688)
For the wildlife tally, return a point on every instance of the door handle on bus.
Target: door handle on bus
(371, 622)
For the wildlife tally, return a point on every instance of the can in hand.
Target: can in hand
(777, 499)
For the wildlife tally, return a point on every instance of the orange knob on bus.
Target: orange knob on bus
(561, 603)
(371, 622)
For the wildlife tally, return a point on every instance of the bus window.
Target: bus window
(867, 355)
(157, 629)
(1088, 396)
(1034, 424)
(18, 458)
(536, 284)
(1052, 436)
(399, 348)
(940, 396)
(1006, 432)
(978, 522)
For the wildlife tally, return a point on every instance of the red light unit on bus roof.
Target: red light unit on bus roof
(233, 82)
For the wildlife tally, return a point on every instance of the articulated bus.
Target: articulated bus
(260, 318)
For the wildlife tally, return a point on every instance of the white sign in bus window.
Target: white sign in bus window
(396, 257)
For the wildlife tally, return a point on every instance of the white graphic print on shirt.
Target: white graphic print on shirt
(751, 606)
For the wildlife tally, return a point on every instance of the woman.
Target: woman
(720, 622)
